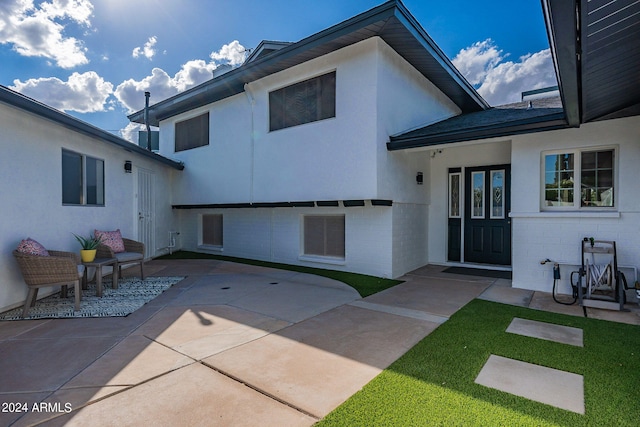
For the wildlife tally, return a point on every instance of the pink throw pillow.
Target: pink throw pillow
(112, 239)
(31, 247)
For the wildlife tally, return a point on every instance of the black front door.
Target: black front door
(487, 226)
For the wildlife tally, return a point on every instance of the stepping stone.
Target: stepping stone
(546, 331)
(560, 389)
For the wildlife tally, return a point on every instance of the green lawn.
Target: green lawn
(365, 285)
(433, 383)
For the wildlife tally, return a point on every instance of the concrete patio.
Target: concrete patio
(233, 344)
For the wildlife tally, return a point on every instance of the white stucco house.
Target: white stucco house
(362, 148)
(62, 176)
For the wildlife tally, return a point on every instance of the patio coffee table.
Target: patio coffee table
(98, 263)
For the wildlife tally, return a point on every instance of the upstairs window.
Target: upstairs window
(82, 179)
(304, 102)
(192, 133)
(579, 179)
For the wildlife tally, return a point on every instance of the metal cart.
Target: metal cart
(601, 283)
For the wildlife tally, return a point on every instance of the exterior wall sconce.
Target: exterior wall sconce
(419, 178)
(127, 166)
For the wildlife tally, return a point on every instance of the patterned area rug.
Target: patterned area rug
(132, 293)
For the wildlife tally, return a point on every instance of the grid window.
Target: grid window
(324, 235)
(192, 133)
(597, 178)
(559, 179)
(304, 102)
(579, 179)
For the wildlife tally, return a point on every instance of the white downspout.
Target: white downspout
(252, 102)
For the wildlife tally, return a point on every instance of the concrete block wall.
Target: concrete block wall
(559, 239)
(409, 237)
(274, 234)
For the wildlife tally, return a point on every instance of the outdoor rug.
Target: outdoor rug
(497, 274)
(132, 293)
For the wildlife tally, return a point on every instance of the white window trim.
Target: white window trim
(577, 168)
(323, 259)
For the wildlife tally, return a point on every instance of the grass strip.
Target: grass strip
(365, 285)
(433, 383)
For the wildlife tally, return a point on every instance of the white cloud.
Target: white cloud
(84, 93)
(502, 82)
(232, 54)
(474, 62)
(35, 30)
(162, 86)
(130, 132)
(147, 50)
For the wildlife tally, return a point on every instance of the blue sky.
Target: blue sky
(95, 58)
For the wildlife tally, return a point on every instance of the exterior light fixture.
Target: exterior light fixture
(127, 166)
(419, 178)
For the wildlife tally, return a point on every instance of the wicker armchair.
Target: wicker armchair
(133, 254)
(58, 269)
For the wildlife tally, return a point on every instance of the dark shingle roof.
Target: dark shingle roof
(510, 119)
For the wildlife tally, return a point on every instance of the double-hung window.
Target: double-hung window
(303, 102)
(82, 179)
(579, 179)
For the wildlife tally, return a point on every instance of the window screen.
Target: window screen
(324, 235)
(212, 230)
(192, 133)
(304, 102)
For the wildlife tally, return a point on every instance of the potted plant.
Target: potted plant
(89, 247)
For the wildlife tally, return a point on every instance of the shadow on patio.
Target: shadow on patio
(289, 346)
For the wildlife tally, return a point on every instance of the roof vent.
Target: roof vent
(530, 106)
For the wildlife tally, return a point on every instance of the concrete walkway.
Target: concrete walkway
(231, 344)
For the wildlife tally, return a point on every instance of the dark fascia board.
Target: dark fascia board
(430, 46)
(327, 203)
(562, 29)
(538, 124)
(232, 83)
(301, 204)
(352, 203)
(32, 106)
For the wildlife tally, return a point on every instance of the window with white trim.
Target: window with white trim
(82, 179)
(324, 235)
(579, 179)
(212, 230)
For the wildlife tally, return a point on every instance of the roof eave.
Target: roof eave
(539, 124)
(561, 22)
(32, 106)
(233, 82)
